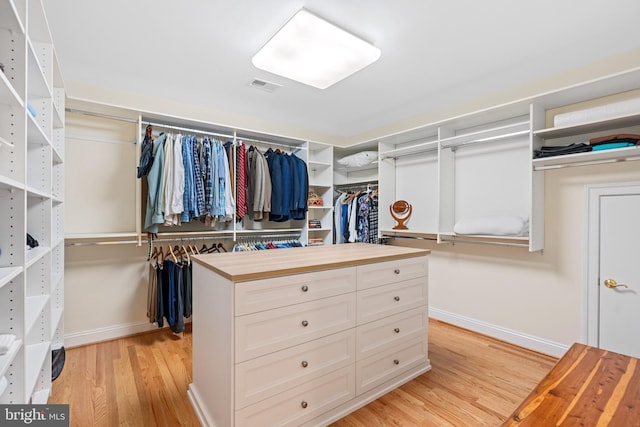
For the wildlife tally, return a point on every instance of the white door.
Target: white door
(619, 273)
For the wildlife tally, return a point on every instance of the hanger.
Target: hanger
(186, 253)
(204, 249)
(170, 252)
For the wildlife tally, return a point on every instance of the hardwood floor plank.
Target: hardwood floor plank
(142, 381)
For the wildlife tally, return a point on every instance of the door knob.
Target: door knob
(611, 283)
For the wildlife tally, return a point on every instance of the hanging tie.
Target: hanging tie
(241, 182)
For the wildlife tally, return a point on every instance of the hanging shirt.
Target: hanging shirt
(241, 181)
(197, 176)
(177, 198)
(167, 178)
(218, 206)
(208, 175)
(337, 219)
(153, 214)
(230, 204)
(301, 189)
(353, 213)
(189, 197)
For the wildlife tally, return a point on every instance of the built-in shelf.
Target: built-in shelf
(8, 94)
(9, 17)
(318, 165)
(7, 358)
(590, 157)
(36, 355)
(56, 318)
(38, 87)
(33, 170)
(34, 307)
(8, 273)
(10, 184)
(590, 127)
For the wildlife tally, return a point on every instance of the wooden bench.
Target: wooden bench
(587, 387)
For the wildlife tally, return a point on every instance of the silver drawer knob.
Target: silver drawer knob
(397, 271)
(396, 330)
(304, 404)
(305, 288)
(305, 323)
(396, 298)
(304, 363)
(396, 362)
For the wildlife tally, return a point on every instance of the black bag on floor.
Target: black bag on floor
(57, 362)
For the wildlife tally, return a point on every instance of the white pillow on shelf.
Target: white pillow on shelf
(362, 158)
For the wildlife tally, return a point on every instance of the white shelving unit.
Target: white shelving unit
(31, 199)
(320, 166)
(480, 164)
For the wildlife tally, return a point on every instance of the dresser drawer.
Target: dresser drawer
(387, 332)
(268, 331)
(371, 275)
(265, 294)
(376, 303)
(375, 370)
(277, 372)
(299, 404)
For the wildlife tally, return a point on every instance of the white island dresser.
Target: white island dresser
(304, 336)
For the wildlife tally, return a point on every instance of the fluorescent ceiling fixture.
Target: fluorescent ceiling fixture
(315, 52)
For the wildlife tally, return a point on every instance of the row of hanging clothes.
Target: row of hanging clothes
(266, 244)
(356, 214)
(277, 185)
(169, 293)
(191, 178)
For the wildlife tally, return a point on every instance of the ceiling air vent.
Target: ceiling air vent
(264, 85)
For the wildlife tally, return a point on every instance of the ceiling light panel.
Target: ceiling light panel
(312, 51)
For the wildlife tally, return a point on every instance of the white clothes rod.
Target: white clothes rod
(185, 129)
(101, 115)
(587, 163)
(486, 242)
(424, 147)
(106, 141)
(274, 144)
(135, 242)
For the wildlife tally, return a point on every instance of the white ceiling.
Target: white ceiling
(434, 53)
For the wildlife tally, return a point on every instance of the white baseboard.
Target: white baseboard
(514, 337)
(109, 333)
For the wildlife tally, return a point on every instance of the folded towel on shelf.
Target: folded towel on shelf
(620, 137)
(6, 341)
(505, 225)
(612, 145)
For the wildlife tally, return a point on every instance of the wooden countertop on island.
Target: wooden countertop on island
(254, 265)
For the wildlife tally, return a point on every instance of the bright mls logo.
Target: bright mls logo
(37, 415)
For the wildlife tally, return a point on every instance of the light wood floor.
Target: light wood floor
(143, 380)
